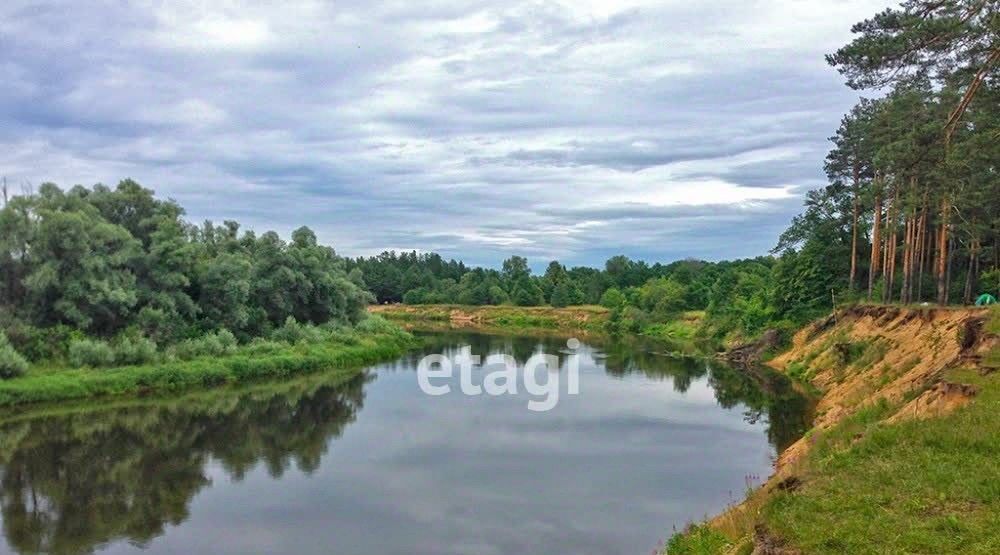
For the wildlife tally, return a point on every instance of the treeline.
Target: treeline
(390, 275)
(120, 263)
(741, 295)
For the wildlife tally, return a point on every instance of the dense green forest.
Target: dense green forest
(82, 266)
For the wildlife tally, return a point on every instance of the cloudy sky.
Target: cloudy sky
(574, 129)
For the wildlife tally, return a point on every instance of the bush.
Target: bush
(375, 324)
(90, 352)
(12, 364)
(339, 333)
(633, 320)
(613, 298)
(38, 344)
(216, 344)
(292, 332)
(135, 350)
(261, 346)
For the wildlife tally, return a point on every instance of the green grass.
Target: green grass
(500, 318)
(50, 384)
(697, 540)
(684, 327)
(925, 486)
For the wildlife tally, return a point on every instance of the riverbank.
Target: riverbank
(529, 319)
(581, 319)
(902, 454)
(247, 363)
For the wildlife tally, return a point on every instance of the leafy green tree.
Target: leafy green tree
(82, 275)
(515, 269)
(613, 298)
(224, 291)
(948, 40)
(662, 297)
(525, 292)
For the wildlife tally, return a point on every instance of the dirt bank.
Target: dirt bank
(879, 357)
(861, 355)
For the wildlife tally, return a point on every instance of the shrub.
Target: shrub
(135, 350)
(612, 298)
(634, 319)
(38, 344)
(376, 324)
(12, 364)
(227, 341)
(219, 343)
(293, 332)
(339, 333)
(90, 352)
(261, 346)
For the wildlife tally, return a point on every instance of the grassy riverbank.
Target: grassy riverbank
(368, 343)
(903, 456)
(585, 318)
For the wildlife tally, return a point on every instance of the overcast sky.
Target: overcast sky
(574, 129)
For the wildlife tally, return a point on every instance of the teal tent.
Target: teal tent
(985, 299)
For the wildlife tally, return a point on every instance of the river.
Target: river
(374, 465)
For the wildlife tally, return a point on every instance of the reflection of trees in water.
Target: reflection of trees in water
(765, 393)
(70, 483)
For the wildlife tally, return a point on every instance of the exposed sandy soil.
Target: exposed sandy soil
(918, 344)
(901, 353)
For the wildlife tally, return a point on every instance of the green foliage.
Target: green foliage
(216, 344)
(375, 324)
(210, 369)
(135, 350)
(90, 352)
(525, 292)
(12, 364)
(919, 486)
(993, 321)
(103, 260)
(662, 297)
(613, 299)
(293, 332)
(38, 344)
(697, 540)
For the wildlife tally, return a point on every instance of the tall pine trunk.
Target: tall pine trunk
(922, 246)
(890, 247)
(942, 266)
(970, 276)
(854, 229)
(904, 291)
(876, 243)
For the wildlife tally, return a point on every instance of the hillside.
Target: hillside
(902, 455)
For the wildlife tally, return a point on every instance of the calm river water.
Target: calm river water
(375, 466)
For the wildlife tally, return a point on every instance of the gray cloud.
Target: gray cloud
(570, 130)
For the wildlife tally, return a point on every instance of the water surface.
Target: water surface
(375, 466)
